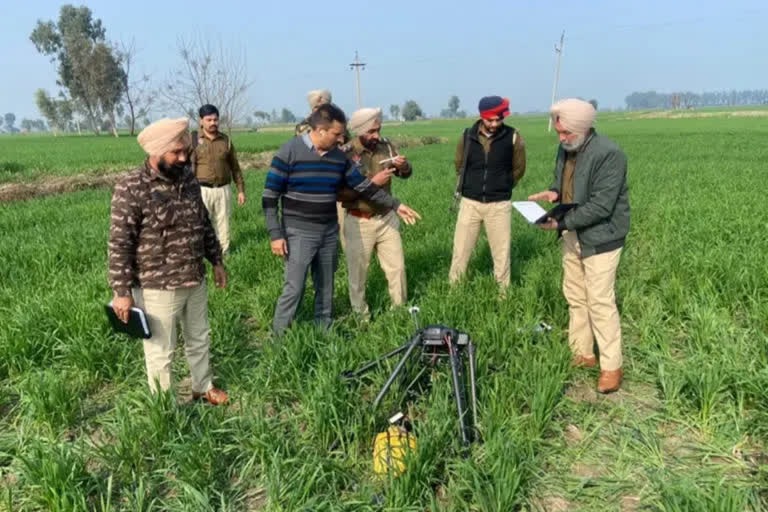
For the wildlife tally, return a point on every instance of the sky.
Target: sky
(424, 50)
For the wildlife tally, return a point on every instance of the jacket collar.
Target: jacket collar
(474, 131)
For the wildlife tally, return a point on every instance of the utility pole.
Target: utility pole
(356, 65)
(559, 52)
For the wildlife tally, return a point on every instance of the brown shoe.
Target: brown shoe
(214, 396)
(609, 381)
(583, 361)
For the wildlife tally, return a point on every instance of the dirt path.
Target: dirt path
(52, 186)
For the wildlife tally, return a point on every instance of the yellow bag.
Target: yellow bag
(389, 449)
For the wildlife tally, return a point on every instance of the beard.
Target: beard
(575, 145)
(369, 143)
(172, 171)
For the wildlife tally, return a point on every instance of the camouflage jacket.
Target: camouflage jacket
(369, 162)
(159, 232)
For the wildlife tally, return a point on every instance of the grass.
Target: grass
(29, 158)
(79, 431)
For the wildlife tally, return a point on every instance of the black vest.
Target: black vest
(488, 178)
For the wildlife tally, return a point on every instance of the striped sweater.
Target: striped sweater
(305, 184)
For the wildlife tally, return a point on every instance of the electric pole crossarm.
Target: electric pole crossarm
(357, 65)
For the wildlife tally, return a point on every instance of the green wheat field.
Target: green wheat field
(80, 431)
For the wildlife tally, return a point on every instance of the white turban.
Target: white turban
(160, 137)
(364, 119)
(574, 115)
(318, 97)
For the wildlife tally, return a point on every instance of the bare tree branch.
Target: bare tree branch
(138, 96)
(211, 73)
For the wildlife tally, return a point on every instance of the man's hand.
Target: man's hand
(548, 195)
(409, 216)
(279, 247)
(550, 225)
(220, 276)
(241, 198)
(122, 307)
(399, 161)
(383, 176)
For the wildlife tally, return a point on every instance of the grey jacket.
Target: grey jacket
(601, 219)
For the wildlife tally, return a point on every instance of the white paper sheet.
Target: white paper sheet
(530, 210)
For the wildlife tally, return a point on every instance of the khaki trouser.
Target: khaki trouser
(380, 232)
(164, 308)
(218, 202)
(588, 286)
(340, 213)
(497, 219)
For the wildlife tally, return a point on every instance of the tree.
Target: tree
(1, 121)
(287, 116)
(261, 116)
(66, 114)
(395, 111)
(88, 67)
(26, 125)
(208, 73)
(138, 96)
(10, 118)
(411, 111)
(453, 104)
(593, 102)
(58, 113)
(687, 99)
(453, 108)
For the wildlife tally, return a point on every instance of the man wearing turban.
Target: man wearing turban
(590, 172)
(159, 235)
(366, 226)
(490, 161)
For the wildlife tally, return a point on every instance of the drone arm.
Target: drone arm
(415, 342)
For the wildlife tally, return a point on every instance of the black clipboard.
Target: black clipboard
(137, 326)
(557, 213)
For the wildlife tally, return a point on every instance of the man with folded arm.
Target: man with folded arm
(304, 179)
(159, 234)
(591, 171)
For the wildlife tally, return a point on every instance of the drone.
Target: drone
(430, 344)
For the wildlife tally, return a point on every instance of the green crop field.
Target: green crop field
(688, 431)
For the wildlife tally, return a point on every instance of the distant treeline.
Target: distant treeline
(676, 100)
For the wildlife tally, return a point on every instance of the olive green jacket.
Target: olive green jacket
(601, 219)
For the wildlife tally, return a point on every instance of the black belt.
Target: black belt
(211, 185)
